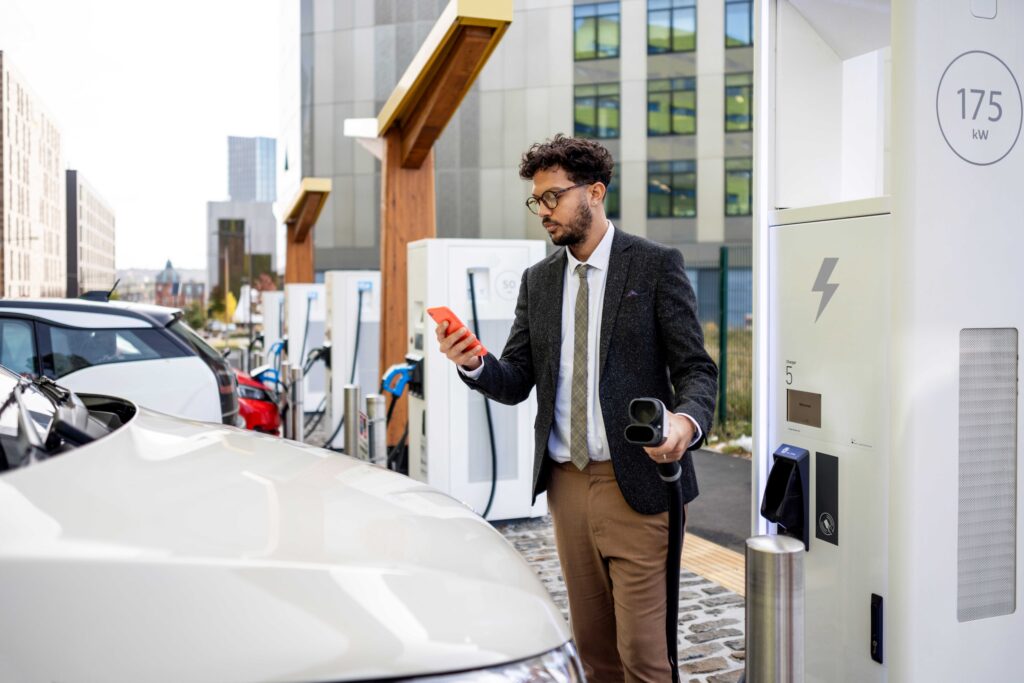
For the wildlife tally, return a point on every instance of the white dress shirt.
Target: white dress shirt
(597, 276)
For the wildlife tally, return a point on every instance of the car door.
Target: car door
(140, 364)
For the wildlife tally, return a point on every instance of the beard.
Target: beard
(575, 231)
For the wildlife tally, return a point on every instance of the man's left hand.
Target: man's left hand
(680, 433)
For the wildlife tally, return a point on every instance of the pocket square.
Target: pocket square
(632, 293)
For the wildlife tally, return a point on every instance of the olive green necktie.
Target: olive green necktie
(578, 405)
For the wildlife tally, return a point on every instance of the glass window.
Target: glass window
(739, 23)
(738, 188)
(672, 106)
(671, 26)
(18, 347)
(74, 349)
(611, 201)
(739, 102)
(597, 110)
(671, 189)
(596, 30)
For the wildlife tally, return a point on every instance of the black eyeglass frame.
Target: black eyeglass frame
(549, 198)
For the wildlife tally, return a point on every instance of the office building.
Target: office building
(90, 237)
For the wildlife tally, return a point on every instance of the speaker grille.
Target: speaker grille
(987, 521)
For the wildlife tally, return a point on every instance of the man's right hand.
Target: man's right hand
(461, 347)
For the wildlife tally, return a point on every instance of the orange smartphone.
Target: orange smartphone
(442, 314)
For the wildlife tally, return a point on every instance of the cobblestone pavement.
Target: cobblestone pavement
(711, 643)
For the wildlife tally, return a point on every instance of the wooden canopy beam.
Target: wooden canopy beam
(300, 219)
(412, 119)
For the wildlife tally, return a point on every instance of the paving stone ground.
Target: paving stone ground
(711, 618)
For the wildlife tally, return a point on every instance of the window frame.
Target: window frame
(672, 91)
(674, 188)
(749, 91)
(750, 185)
(598, 97)
(750, 20)
(596, 16)
(671, 9)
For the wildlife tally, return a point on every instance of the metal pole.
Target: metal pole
(775, 610)
(298, 413)
(377, 429)
(351, 396)
(723, 334)
(285, 397)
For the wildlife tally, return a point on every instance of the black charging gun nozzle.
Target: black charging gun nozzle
(648, 427)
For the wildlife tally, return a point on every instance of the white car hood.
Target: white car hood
(178, 550)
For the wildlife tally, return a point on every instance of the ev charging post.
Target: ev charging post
(450, 433)
(888, 304)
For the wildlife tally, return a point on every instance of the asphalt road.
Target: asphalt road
(721, 513)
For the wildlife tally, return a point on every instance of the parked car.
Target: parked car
(256, 406)
(136, 546)
(146, 354)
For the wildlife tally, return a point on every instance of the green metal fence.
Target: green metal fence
(725, 302)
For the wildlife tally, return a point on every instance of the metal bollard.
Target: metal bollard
(775, 610)
(298, 414)
(351, 403)
(376, 429)
(285, 399)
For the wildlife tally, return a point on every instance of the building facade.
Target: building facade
(171, 290)
(252, 169)
(32, 207)
(240, 246)
(90, 237)
(666, 85)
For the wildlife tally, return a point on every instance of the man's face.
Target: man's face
(569, 222)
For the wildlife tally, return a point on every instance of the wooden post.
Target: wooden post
(301, 218)
(408, 214)
(425, 99)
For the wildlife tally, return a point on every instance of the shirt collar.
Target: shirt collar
(601, 255)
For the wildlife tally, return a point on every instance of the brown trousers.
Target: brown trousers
(613, 561)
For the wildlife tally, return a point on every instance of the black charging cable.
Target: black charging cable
(487, 406)
(647, 428)
(352, 373)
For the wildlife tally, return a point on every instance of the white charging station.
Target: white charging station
(305, 311)
(449, 444)
(272, 309)
(353, 305)
(888, 305)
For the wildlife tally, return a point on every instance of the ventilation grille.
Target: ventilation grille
(987, 523)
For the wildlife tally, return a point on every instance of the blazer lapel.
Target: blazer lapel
(551, 327)
(615, 282)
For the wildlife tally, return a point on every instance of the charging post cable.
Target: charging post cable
(647, 417)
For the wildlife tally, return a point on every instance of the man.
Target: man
(609, 318)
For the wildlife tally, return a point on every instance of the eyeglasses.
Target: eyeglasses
(549, 198)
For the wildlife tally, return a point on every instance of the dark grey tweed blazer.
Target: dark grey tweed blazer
(651, 345)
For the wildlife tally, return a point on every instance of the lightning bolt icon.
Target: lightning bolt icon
(822, 284)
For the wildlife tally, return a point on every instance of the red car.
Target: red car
(256, 406)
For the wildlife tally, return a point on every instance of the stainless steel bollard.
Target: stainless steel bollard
(298, 411)
(775, 610)
(351, 402)
(376, 429)
(285, 398)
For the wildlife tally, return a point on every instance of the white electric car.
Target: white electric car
(135, 546)
(146, 354)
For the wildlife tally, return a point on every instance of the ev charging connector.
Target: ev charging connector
(648, 427)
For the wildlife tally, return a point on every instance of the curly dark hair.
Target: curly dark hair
(584, 160)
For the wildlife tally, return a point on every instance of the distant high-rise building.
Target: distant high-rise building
(251, 169)
(90, 238)
(32, 225)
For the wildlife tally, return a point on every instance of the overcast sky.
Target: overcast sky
(145, 95)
